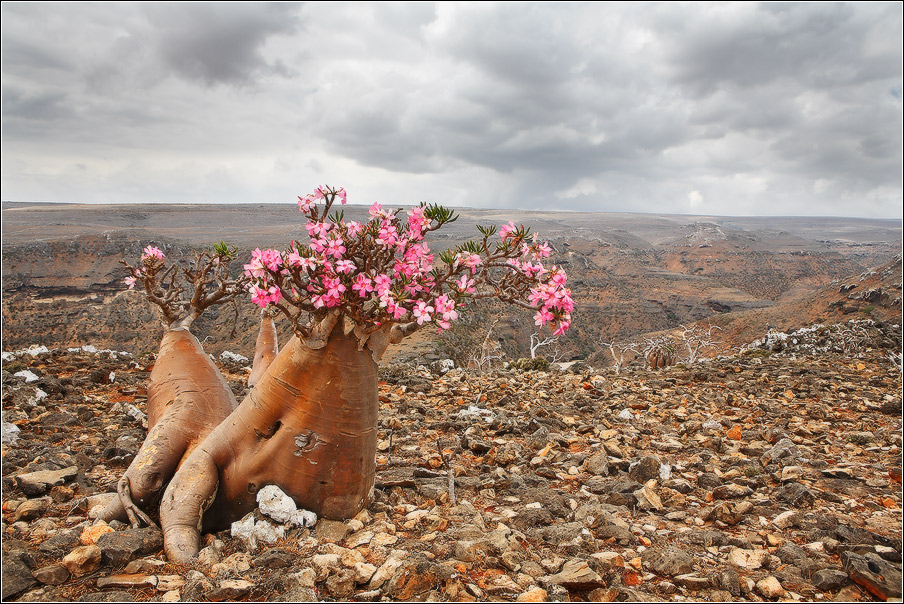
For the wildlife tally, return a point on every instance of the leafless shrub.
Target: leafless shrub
(697, 340)
(536, 343)
(488, 353)
(620, 352)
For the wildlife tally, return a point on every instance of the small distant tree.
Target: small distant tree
(696, 340)
(854, 336)
(620, 351)
(536, 342)
(488, 353)
(658, 351)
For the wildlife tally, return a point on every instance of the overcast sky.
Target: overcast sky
(726, 109)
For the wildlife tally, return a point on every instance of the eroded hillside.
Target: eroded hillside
(630, 274)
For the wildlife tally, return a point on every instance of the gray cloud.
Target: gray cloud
(220, 43)
(727, 108)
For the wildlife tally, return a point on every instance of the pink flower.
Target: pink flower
(363, 285)
(271, 259)
(445, 307)
(263, 297)
(353, 229)
(293, 258)
(130, 281)
(395, 310)
(306, 203)
(472, 261)
(376, 211)
(422, 312)
(382, 283)
(416, 223)
(465, 285)
(507, 230)
(335, 248)
(563, 327)
(262, 261)
(542, 317)
(343, 196)
(152, 252)
(318, 229)
(345, 266)
(388, 234)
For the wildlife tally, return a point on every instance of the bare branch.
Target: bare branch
(536, 343)
(696, 340)
(488, 351)
(620, 351)
(207, 279)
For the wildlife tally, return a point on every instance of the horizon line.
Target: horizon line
(556, 211)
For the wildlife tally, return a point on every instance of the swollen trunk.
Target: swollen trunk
(187, 399)
(309, 427)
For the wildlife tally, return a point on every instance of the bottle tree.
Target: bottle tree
(309, 425)
(187, 395)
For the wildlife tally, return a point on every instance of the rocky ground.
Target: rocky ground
(771, 475)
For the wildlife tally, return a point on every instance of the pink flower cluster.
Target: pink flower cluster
(383, 271)
(308, 202)
(554, 302)
(150, 257)
(152, 252)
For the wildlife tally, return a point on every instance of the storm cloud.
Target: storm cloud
(762, 109)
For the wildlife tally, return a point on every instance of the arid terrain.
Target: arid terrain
(770, 475)
(771, 472)
(631, 274)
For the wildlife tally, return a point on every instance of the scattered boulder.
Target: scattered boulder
(35, 484)
(667, 561)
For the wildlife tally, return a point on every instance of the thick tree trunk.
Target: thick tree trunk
(309, 427)
(265, 348)
(187, 399)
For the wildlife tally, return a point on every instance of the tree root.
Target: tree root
(135, 514)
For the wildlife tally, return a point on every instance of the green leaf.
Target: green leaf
(487, 231)
(438, 213)
(222, 250)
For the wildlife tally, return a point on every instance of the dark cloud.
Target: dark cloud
(220, 43)
(712, 108)
(39, 107)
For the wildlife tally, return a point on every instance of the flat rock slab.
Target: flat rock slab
(576, 574)
(128, 580)
(55, 574)
(333, 531)
(668, 561)
(107, 596)
(120, 547)
(16, 577)
(230, 589)
(35, 484)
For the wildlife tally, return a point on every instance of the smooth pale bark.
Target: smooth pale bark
(265, 349)
(308, 426)
(187, 398)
